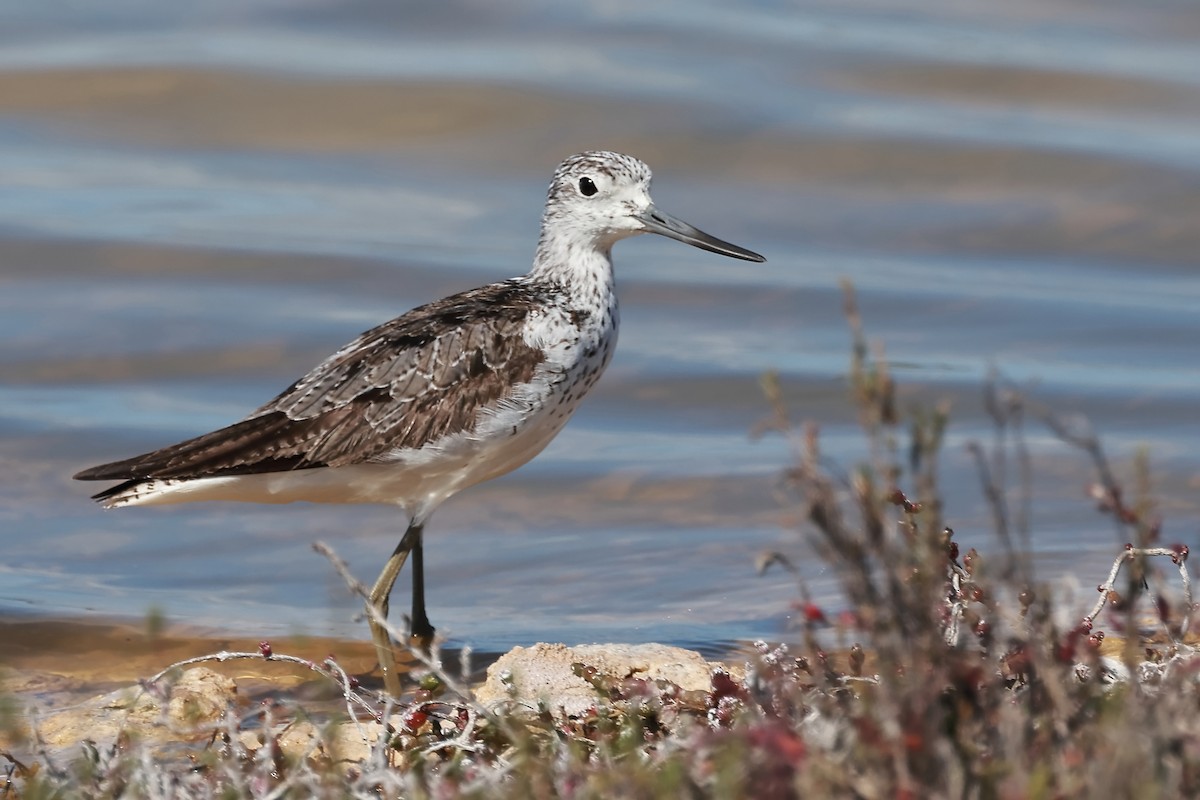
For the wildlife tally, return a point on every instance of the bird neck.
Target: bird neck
(580, 266)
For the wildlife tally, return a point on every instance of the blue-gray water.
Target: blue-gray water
(198, 202)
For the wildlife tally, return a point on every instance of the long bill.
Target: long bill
(656, 221)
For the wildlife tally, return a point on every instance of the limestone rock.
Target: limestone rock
(338, 742)
(526, 675)
(199, 698)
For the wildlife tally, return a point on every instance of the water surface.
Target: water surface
(199, 203)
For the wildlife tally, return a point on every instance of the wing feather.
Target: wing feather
(403, 384)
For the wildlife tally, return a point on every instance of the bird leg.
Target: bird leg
(420, 628)
(378, 599)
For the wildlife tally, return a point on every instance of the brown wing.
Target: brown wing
(403, 384)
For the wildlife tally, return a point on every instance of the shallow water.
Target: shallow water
(198, 204)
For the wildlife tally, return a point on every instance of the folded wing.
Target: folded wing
(402, 385)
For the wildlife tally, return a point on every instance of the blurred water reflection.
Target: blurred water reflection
(199, 203)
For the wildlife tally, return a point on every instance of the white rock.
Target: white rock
(199, 699)
(525, 676)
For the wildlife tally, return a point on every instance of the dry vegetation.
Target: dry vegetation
(947, 675)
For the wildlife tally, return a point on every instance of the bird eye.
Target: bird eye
(587, 187)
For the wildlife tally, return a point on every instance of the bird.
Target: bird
(448, 395)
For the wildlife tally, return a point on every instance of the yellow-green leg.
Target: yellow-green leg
(382, 590)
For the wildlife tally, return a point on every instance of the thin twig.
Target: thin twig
(1089, 443)
(329, 669)
(461, 742)
(994, 494)
(429, 663)
(1178, 555)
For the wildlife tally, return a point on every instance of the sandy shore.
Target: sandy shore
(54, 662)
